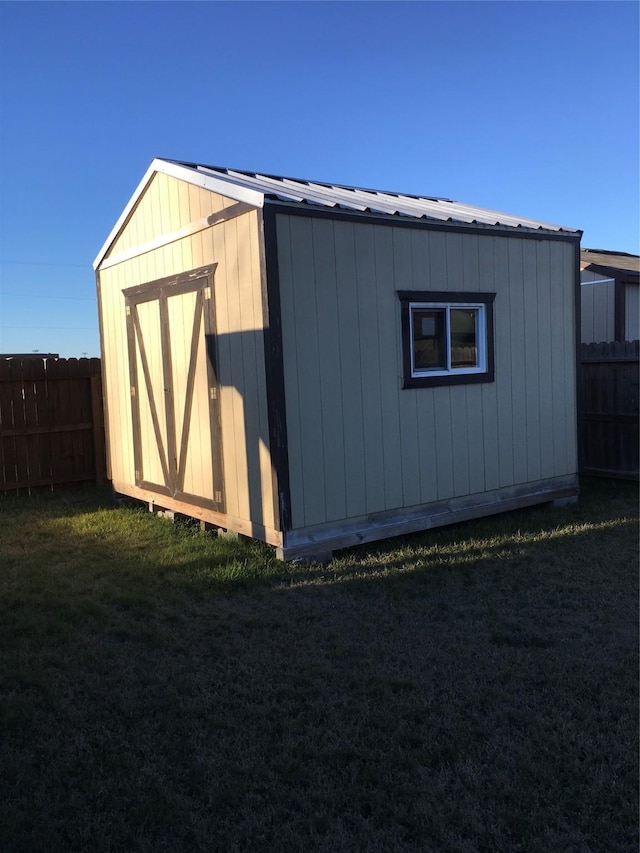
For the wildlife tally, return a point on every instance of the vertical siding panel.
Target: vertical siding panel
(518, 366)
(184, 203)
(370, 367)
(544, 361)
(248, 333)
(153, 200)
(173, 206)
(122, 414)
(409, 437)
(197, 253)
(195, 207)
(330, 369)
(308, 369)
(587, 314)
(474, 414)
(390, 368)
(444, 442)
(632, 312)
(471, 262)
(214, 247)
(147, 205)
(460, 439)
(489, 395)
(600, 313)
(351, 385)
(532, 362)
(290, 334)
(455, 269)
(558, 358)
(570, 369)
(436, 459)
(234, 332)
(266, 482)
(598, 308)
(503, 364)
(475, 438)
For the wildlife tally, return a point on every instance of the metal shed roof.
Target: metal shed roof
(277, 188)
(260, 189)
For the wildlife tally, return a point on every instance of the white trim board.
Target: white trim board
(182, 173)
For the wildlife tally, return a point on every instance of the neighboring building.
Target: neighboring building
(23, 355)
(610, 296)
(317, 365)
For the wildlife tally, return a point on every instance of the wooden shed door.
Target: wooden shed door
(174, 388)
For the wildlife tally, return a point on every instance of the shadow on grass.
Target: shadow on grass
(465, 689)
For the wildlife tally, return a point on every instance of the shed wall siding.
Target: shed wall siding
(597, 308)
(234, 247)
(359, 443)
(632, 312)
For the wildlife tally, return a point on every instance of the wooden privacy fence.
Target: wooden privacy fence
(609, 410)
(51, 422)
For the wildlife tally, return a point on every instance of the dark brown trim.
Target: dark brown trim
(406, 297)
(620, 311)
(188, 397)
(152, 403)
(274, 369)
(295, 209)
(580, 425)
(134, 391)
(215, 421)
(448, 296)
(169, 399)
(180, 283)
(103, 362)
(154, 487)
(199, 500)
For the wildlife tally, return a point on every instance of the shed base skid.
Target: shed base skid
(317, 544)
(227, 523)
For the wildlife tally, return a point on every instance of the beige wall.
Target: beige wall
(358, 442)
(234, 246)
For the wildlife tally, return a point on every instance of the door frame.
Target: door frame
(173, 456)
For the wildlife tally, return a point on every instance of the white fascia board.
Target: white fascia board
(188, 175)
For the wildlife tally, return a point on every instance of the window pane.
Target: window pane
(429, 341)
(464, 343)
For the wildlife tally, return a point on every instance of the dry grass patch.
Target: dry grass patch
(468, 689)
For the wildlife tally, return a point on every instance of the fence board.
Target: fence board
(51, 422)
(609, 409)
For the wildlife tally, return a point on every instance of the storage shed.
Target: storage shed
(610, 296)
(317, 366)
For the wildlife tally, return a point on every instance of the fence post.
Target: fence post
(97, 416)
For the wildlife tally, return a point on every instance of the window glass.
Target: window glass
(429, 339)
(464, 337)
(447, 337)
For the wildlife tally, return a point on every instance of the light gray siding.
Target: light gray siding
(597, 308)
(632, 312)
(361, 444)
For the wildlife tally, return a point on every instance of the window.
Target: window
(447, 338)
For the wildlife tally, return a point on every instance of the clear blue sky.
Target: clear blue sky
(527, 108)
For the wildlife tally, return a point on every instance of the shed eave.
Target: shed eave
(340, 211)
(182, 173)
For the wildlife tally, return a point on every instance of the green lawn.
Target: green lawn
(467, 689)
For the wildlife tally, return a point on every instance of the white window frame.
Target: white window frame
(482, 302)
(481, 338)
